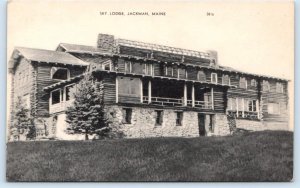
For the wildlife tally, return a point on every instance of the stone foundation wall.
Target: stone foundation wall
(143, 123)
(250, 125)
(221, 127)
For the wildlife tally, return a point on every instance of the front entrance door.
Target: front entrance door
(201, 124)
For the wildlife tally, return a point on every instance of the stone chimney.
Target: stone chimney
(106, 42)
(213, 56)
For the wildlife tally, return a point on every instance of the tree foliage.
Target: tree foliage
(87, 114)
(23, 121)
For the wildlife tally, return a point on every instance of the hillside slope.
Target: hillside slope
(256, 156)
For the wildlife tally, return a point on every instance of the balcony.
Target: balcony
(60, 107)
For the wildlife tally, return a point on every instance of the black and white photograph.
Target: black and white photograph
(154, 91)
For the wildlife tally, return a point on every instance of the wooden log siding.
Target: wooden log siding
(109, 83)
(134, 51)
(278, 98)
(121, 65)
(192, 73)
(44, 79)
(134, 96)
(23, 82)
(158, 69)
(219, 101)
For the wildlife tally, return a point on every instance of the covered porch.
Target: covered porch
(177, 93)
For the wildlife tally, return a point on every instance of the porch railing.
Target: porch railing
(59, 107)
(243, 114)
(176, 102)
(163, 101)
(200, 104)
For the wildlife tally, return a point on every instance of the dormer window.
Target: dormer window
(253, 83)
(60, 73)
(214, 78)
(226, 80)
(243, 82)
(201, 76)
(279, 88)
(106, 65)
(266, 85)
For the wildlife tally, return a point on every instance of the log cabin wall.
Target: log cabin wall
(219, 99)
(109, 83)
(97, 59)
(271, 100)
(44, 79)
(23, 82)
(129, 89)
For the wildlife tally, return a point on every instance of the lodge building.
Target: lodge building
(150, 90)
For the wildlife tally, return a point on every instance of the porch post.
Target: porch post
(237, 107)
(149, 92)
(141, 89)
(212, 98)
(257, 108)
(117, 90)
(193, 95)
(243, 105)
(185, 94)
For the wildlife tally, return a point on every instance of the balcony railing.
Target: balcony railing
(162, 101)
(59, 107)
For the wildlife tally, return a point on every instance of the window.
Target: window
(279, 88)
(127, 113)
(106, 65)
(201, 76)
(68, 93)
(159, 118)
(60, 73)
(128, 66)
(179, 116)
(243, 83)
(253, 83)
(214, 78)
(266, 86)
(55, 96)
(252, 105)
(225, 80)
(273, 108)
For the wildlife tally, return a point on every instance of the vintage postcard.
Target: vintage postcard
(150, 91)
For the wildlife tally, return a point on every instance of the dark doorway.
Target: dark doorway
(201, 124)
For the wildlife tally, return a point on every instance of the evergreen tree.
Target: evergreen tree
(87, 114)
(23, 122)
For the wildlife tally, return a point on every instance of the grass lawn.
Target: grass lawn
(256, 156)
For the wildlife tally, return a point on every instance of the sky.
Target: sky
(252, 37)
(256, 37)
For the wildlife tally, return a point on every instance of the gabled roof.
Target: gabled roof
(48, 56)
(81, 48)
